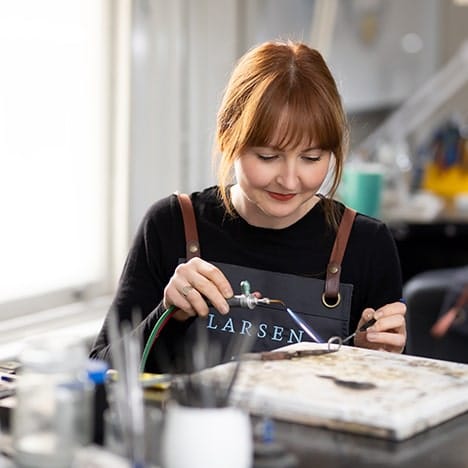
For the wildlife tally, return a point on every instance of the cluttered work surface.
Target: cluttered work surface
(368, 392)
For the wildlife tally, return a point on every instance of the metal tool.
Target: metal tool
(362, 328)
(245, 300)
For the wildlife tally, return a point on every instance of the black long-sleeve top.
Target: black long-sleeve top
(370, 262)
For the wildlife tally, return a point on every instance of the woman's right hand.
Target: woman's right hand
(192, 284)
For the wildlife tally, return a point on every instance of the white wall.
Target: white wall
(368, 56)
(183, 53)
(158, 45)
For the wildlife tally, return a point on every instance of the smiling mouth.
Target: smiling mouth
(282, 196)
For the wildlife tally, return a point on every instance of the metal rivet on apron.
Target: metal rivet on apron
(193, 248)
(331, 306)
(333, 269)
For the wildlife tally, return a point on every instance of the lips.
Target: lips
(282, 196)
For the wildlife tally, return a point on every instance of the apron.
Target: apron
(324, 305)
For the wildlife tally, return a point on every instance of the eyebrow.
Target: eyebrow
(276, 148)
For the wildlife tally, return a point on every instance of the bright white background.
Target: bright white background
(53, 145)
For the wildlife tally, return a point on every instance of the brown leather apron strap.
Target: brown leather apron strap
(190, 226)
(331, 296)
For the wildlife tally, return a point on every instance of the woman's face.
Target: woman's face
(275, 187)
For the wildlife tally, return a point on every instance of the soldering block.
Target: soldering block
(377, 393)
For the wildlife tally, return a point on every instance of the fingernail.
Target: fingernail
(228, 293)
(377, 315)
(371, 329)
(372, 336)
(225, 309)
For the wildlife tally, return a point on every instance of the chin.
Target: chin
(278, 214)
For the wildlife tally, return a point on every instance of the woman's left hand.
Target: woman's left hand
(388, 332)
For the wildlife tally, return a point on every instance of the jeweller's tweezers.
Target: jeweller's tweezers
(362, 328)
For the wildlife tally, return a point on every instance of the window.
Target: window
(54, 152)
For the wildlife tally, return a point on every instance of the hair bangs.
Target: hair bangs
(288, 117)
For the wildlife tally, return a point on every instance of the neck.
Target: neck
(255, 216)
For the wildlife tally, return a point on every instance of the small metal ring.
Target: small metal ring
(330, 306)
(186, 289)
(334, 340)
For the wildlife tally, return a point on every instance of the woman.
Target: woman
(282, 136)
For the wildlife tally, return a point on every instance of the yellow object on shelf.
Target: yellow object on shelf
(446, 182)
(156, 381)
(147, 380)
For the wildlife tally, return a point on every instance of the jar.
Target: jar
(53, 410)
(226, 435)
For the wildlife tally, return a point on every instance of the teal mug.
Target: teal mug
(361, 188)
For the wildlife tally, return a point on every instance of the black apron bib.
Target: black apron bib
(272, 326)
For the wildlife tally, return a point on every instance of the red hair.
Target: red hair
(269, 79)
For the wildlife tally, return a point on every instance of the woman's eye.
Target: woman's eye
(267, 157)
(312, 158)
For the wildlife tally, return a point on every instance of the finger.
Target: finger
(196, 281)
(366, 315)
(176, 294)
(205, 291)
(213, 275)
(186, 290)
(197, 303)
(392, 322)
(173, 298)
(387, 340)
(185, 297)
(209, 283)
(395, 308)
(204, 277)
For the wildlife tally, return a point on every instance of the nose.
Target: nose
(288, 176)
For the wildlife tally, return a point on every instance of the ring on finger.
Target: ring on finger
(186, 289)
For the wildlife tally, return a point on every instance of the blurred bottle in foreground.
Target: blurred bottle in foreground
(52, 417)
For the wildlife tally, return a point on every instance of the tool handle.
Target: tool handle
(368, 324)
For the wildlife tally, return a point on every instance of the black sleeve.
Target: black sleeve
(379, 272)
(385, 272)
(151, 261)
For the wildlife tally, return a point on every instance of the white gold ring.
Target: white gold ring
(186, 289)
